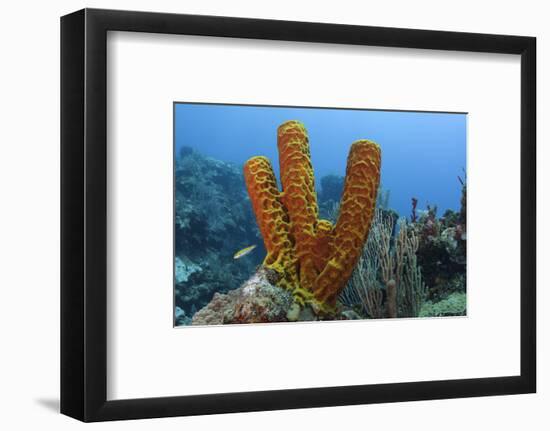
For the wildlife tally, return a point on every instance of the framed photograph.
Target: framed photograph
(262, 215)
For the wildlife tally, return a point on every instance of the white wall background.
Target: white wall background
(29, 216)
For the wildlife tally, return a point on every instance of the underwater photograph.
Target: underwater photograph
(297, 214)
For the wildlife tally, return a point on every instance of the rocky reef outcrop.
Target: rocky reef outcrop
(260, 300)
(257, 301)
(213, 219)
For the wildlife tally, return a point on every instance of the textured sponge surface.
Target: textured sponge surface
(313, 258)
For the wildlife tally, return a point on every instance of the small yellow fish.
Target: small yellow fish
(243, 252)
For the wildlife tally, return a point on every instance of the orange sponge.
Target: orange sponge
(272, 220)
(354, 219)
(298, 195)
(313, 258)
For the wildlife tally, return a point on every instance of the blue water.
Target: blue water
(422, 153)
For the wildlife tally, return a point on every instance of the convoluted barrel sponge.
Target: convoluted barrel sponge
(313, 258)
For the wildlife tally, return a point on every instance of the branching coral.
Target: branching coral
(411, 289)
(364, 287)
(395, 265)
(406, 291)
(314, 258)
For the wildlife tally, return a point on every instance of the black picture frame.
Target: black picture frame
(84, 214)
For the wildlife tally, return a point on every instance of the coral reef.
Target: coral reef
(453, 305)
(213, 220)
(387, 271)
(410, 269)
(180, 317)
(341, 253)
(442, 250)
(313, 257)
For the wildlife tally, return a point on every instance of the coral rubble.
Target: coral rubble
(313, 257)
